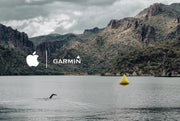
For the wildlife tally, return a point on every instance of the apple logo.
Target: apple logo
(31, 60)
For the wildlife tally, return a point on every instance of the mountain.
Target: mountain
(65, 46)
(160, 60)
(101, 48)
(14, 47)
(10, 38)
(164, 19)
(146, 44)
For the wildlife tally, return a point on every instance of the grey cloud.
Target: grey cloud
(8, 4)
(15, 3)
(39, 17)
(21, 13)
(81, 2)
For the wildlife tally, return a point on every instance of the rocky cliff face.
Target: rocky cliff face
(178, 19)
(147, 33)
(114, 24)
(14, 39)
(154, 10)
(56, 43)
(92, 31)
(51, 47)
(158, 9)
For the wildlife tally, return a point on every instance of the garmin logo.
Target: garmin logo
(67, 61)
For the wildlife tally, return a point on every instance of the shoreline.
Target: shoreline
(91, 75)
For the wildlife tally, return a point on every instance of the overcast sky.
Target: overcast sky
(42, 17)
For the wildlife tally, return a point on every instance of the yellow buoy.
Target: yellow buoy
(124, 80)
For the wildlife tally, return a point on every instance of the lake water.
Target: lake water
(89, 98)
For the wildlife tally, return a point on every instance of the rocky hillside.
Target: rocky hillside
(160, 60)
(146, 44)
(100, 48)
(10, 38)
(164, 18)
(14, 47)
